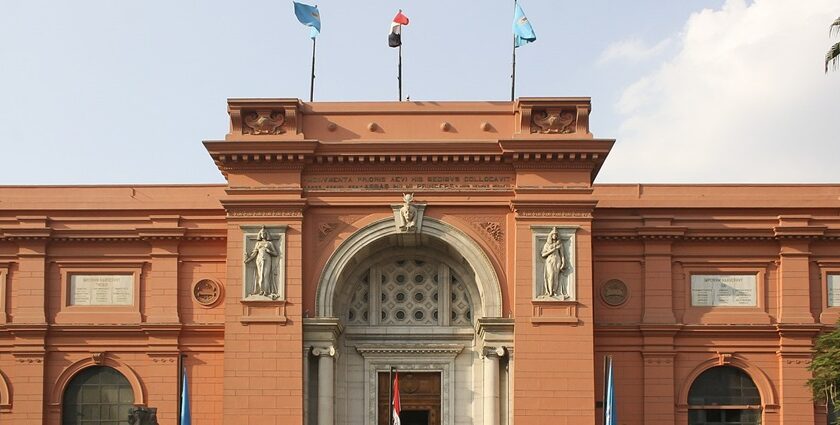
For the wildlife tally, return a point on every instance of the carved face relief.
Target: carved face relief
(553, 121)
(264, 122)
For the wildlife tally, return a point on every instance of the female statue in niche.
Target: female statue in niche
(555, 263)
(262, 255)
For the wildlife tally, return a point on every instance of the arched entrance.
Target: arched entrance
(724, 395)
(410, 301)
(98, 395)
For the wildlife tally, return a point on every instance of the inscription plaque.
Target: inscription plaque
(425, 182)
(98, 289)
(833, 285)
(709, 290)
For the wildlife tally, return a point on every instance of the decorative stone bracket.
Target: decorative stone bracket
(553, 116)
(268, 119)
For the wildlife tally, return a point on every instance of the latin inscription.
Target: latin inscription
(833, 290)
(406, 183)
(723, 290)
(101, 289)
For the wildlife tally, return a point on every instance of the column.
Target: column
(491, 384)
(326, 384)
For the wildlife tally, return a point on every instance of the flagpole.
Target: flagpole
(180, 385)
(513, 73)
(391, 396)
(399, 70)
(312, 78)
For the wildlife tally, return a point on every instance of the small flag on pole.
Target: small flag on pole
(309, 16)
(523, 32)
(609, 393)
(394, 37)
(186, 416)
(396, 402)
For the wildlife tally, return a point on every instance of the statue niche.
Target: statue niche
(263, 265)
(554, 272)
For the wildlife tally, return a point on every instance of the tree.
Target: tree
(825, 369)
(832, 58)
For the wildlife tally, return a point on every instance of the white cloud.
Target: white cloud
(744, 100)
(632, 50)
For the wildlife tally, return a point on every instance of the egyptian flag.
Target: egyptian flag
(397, 376)
(394, 39)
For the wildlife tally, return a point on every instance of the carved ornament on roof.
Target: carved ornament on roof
(548, 121)
(264, 122)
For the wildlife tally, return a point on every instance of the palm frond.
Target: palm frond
(835, 27)
(832, 58)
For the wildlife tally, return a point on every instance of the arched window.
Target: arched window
(98, 395)
(724, 395)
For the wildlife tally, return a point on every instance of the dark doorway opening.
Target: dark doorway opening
(414, 417)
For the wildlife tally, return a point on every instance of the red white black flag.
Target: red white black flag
(396, 401)
(394, 38)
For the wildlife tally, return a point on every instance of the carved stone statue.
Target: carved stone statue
(545, 122)
(553, 284)
(140, 415)
(261, 255)
(408, 213)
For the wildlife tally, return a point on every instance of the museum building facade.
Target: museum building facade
(462, 243)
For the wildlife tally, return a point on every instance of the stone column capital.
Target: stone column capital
(328, 351)
(496, 352)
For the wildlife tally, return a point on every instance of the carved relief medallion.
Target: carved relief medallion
(207, 292)
(264, 122)
(614, 292)
(553, 122)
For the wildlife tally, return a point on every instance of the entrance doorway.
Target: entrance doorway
(419, 398)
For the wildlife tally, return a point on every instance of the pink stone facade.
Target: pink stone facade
(325, 172)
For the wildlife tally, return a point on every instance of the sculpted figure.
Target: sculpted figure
(262, 255)
(408, 213)
(555, 262)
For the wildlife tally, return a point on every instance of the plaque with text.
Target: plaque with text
(723, 290)
(101, 290)
(833, 290)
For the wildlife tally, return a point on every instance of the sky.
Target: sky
(693, 91)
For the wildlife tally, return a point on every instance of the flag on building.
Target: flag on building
(609, 393)
(309, 16)
(394, 37)
(186, 416)
(523, 32)
(396, 402)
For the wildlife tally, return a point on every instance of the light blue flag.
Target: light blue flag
(610, 417)
(309, 16)
(186, 416)
(523, 32)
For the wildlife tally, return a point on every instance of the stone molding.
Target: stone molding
(486, 279)
(57, 393)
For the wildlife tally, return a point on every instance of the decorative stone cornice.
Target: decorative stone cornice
(409, 349)
(553, 210)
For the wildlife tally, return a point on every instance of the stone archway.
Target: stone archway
(346, 358)
(486, 279)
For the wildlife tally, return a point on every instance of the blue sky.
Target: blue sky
(693, 90)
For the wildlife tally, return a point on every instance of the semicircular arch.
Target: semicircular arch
(769, 399)
(5, 394)
(486, 279)
(57, 394)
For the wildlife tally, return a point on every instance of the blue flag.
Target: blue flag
(309, 16)
(523, 33)
(609, 393)
(186, 416)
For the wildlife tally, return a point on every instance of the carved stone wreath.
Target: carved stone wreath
(207, 292)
